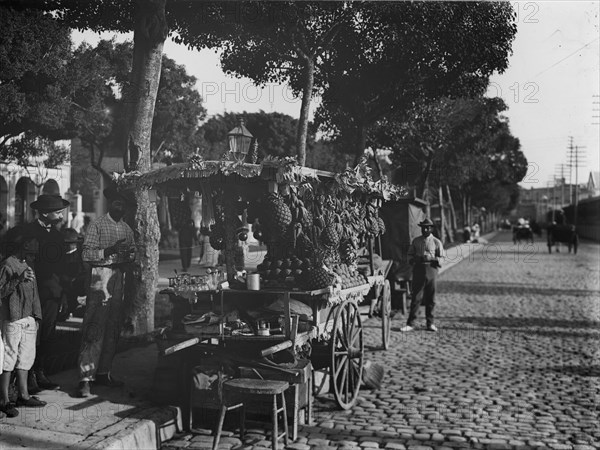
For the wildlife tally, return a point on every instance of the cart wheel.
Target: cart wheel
(386, 320)
(347, 353)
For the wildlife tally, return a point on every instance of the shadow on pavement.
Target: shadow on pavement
(507, 289)
(584, 371)
(525, 322)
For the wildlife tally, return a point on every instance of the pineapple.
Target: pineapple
(319, 278)
(278, 214)
(330, 236)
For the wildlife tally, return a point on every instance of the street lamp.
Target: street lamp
(239, 141)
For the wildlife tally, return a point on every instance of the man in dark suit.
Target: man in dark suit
(49, 268)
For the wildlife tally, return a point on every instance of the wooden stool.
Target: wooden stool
(233, 389)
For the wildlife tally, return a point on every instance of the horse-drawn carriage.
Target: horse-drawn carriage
(522, 233)
(566, 234)
(559, 231)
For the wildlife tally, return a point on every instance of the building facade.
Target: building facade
(20, 186)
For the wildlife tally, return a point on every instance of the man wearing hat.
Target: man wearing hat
(108, 248)
(49, 271)
(425, 255)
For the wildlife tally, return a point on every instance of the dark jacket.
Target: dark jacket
(50, 261)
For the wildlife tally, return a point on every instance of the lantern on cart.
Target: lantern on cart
(239, 141)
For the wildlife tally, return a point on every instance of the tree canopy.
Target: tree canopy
(34, 50)
(269, 42)
(399, 53)
(98, 76)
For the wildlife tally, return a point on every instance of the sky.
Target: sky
(551, 87)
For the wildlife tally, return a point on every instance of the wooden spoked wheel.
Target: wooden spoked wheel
(386, 309)
(347, 354)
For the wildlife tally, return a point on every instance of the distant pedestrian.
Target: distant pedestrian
(77, 221)
(20, 310)
(187, 238)
(467, 234)
(203, 243)
(424, 254)
(109, 248)
(475, 232)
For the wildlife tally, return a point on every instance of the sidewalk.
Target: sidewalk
(120, 418)
(460, 252)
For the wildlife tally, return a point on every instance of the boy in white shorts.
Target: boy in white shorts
(19, 310)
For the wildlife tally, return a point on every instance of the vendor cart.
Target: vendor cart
(319, 276)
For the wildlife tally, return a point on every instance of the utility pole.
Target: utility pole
(570, 155)
(553, 184)
(560, 170)
(578, 159)
(575, 160)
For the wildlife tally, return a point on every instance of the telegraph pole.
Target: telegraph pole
(570, 155)
(578, 159)
(560, 170)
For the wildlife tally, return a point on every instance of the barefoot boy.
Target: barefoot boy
(19, 310)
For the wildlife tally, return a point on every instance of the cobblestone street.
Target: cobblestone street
(515, 363)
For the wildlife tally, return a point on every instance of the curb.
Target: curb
(464, 250)
(159, 425)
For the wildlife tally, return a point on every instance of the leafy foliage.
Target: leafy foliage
(269, 42)
(99, 76)
(33, 52)
(275, 133)
(464, 143)
(398, 54)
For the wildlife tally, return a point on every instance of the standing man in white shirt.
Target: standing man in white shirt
(108, 248)
(425, 255)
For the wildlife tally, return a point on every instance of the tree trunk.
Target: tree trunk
(427, 197)
(302, 133)
(423, 185)
(469, 218)
(150, 32)
(361, 140)
(442, 215)
(452, 210)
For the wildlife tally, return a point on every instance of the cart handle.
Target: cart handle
(276, 348)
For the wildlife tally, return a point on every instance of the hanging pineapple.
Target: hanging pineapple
(277, 214)
(330, 236)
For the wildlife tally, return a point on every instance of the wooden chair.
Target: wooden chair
(239, 390)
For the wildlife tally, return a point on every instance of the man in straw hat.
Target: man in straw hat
(49, 271)
(425, 255)
(108, 247)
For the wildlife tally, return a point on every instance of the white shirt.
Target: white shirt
(429, 247)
